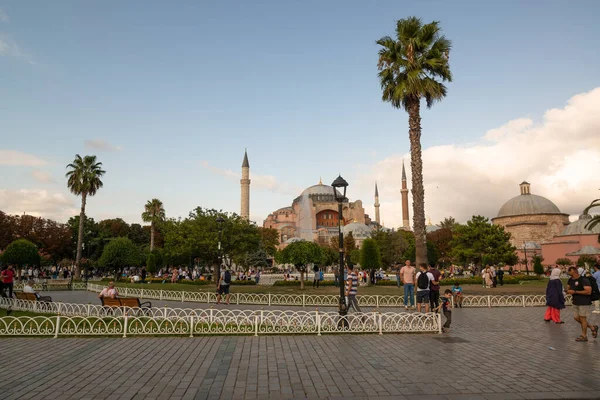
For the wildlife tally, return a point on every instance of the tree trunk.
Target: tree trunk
(418, 191)
(301, 280)
(151, 236)
(77, 273)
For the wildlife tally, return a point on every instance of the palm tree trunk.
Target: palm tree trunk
(418, 191)
(301, 280)
(80, 237)
(151, 236)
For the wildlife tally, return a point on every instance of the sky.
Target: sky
(168, 95)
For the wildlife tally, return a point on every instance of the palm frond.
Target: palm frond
(595, 203)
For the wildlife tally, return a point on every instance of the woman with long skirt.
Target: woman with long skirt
(555, 298)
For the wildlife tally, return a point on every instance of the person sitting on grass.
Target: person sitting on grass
(457, 293)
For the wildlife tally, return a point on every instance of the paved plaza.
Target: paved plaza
(499, 353)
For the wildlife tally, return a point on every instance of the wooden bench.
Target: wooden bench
(32, 297)
(56, 283)
(127, 302)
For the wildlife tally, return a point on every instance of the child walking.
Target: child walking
(446, 306)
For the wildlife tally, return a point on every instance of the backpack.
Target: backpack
(227, 277)
(595, 290)
(423, 281)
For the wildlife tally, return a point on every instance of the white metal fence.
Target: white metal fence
(79, 319)
(304, 300)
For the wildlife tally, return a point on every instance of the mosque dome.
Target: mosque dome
(527, 204)
(578, 227)
(359, 231)
(318, 193)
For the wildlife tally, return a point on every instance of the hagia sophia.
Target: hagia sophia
(536, 224)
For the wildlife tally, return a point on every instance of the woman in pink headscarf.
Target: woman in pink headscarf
(555, 299)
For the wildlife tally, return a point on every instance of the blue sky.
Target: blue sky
(171, 94)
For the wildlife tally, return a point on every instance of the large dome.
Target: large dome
(359, 231)
(578, 227)
(527, 204)
(318, 189)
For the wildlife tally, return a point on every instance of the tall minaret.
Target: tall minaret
(404, 191)
(245, 181)
(377, 206)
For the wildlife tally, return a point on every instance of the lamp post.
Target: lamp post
(340, 183)
(525, 255)
(220, 222)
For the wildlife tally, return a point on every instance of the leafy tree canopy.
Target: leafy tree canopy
(392, 245)
(120, 253)
(480, 239)
(21, 252)
(370, 257)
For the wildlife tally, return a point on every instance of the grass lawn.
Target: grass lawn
(529, 287)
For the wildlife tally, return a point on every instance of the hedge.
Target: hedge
(306, 282)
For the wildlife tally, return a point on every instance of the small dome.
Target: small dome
(431, 228)
(528, 204)
(578, 227)
(532, 246)
(359, 231)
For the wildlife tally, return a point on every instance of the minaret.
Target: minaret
(245, 181)
(377, 206)
(404, 191)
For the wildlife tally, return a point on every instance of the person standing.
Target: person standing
(424, 280)
(407, 274)
(581, 290)
(352, 289)
(224, 284)
(316, 276)
(8, 276)
(500, 275)
(257, 276)
(555, 300)
(434, 294)
(596, 276)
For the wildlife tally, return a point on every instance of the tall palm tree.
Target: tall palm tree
(411, 67)
(154, 212)
(83, 179)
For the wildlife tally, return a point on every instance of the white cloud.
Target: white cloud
(260, 182)
(39, 203)
(559, 156)
(9, 48)
(102, 145)
(42, 176)
(18, 158)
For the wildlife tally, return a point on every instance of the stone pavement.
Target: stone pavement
(500, 353)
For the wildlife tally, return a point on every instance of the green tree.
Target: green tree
(392, 245)
(83, 179)
(449, 223)
(412, 66)
(354, 256)
(370, 257)
(21, 252)
(329, 256)
(439, 247)
(538, 268)
(154, 212)
(586, 261)
(269, 239)
(349, 243)
(300, 254)
(564, 262)
(480, 241)
(151, 263)
(118, 254)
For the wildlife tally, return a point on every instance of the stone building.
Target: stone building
(530, 218)
(313, 216)
(538, 228)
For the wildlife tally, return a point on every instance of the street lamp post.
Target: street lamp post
(340, 183)
(525, 255)
(220, 222)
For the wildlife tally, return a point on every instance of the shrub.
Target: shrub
(297, 283)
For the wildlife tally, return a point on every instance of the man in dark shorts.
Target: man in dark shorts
(424, 280)
(224, 284)
(581, 290)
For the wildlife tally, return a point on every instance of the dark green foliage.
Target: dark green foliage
(151, 263)
(481, 242)
(564, 262)
(586, 259)
(300, 254)
(21, 252)
(370, 258)
(120, 253)
(538, 268)
(329, 256)
(392, 245)
(297, 283)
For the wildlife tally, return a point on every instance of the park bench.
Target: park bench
(132, 303)
(32, 297)
(56, 283)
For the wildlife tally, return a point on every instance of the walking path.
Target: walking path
(501, 353)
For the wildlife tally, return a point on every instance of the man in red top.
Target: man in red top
(7, 281)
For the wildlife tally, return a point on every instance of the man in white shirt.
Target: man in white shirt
(110, 291)
(424, 280)
(28, 288)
